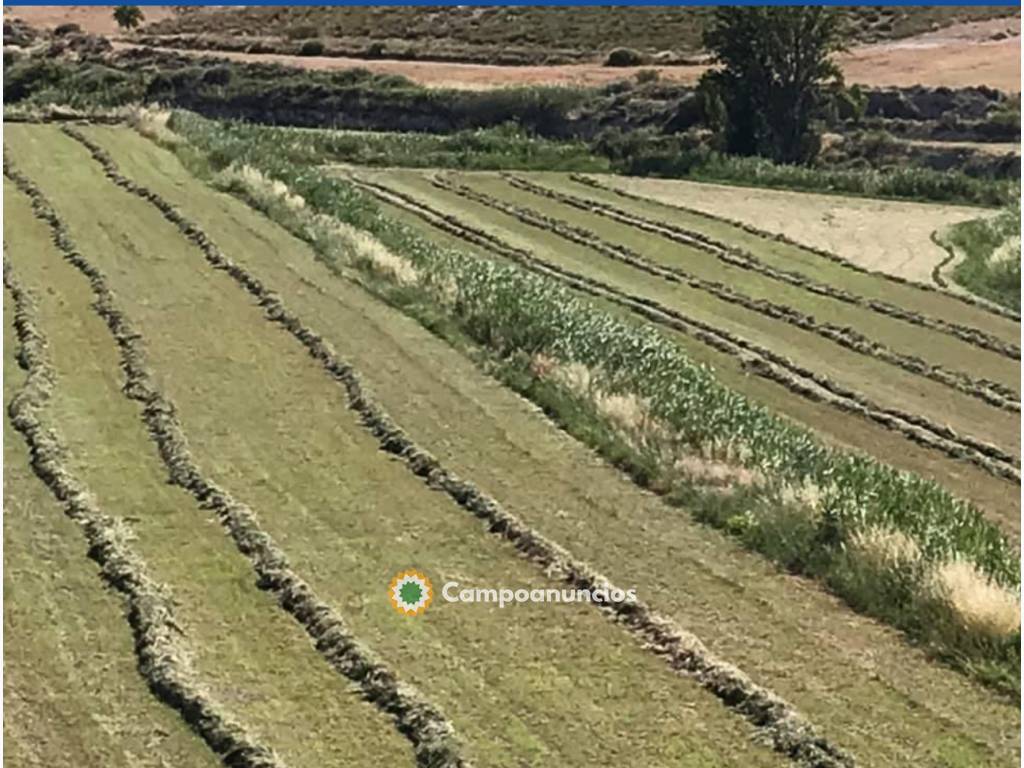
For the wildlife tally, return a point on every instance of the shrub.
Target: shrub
(217, 76)
(647, 76)
(301, 31)
(67, 29)
(624, 57)
(311, 48)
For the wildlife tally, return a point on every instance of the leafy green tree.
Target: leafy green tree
(775, 74)
(128, 16)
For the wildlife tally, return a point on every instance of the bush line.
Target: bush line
(746, 260)
(789, 731)
(958, 443)
(162, 655)
(429, 731)
(974, 301)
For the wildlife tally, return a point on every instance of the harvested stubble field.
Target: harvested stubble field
(258, 379)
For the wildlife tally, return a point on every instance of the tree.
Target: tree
(128, 16)
(775, 74)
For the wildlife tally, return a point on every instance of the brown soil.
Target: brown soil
(957, 56)
(95, 19)
(962, 55)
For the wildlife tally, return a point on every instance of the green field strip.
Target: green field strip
(778, 313)
(72, 691)
(770, 364)
(789, 256)
(883, 384)
(248, 654)
(878, 697)
(901, 337)
(998, 497)
(350, 518)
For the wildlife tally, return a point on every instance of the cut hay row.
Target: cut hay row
(531, 218)
(947, 260)
(989, 392)
(744, 259)
(973, 301)
(789, 732)
(756, 358)
(163, 656)
(429, 731)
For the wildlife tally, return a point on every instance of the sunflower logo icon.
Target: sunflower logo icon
(410, 592)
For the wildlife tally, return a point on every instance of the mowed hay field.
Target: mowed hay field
(124, 291)
(928, 375)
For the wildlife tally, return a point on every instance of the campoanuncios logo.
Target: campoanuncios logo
(410, 592)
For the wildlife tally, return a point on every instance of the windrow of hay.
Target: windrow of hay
(789, 731)
(420, 721)
(164, 658)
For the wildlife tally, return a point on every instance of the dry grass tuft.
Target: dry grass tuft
(807, 495)
(885, 549)
(627, 412)
(576, 377)
(353, 245)
(263, 189)
(712, 472)
(981, 606)
(152, 122)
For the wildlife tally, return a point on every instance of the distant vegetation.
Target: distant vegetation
(128, 16)
(514, 35)
(638, 127)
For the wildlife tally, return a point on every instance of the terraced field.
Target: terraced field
(252, 444)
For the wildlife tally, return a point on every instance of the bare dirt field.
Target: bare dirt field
(954, 61)
(888, 236)
(96, 19)
(958, 56)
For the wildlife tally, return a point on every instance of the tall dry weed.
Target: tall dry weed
(981, 606)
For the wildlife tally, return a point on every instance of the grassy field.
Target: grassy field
(71, 686)
(378, 519)
(267, 424)
(888, 385)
